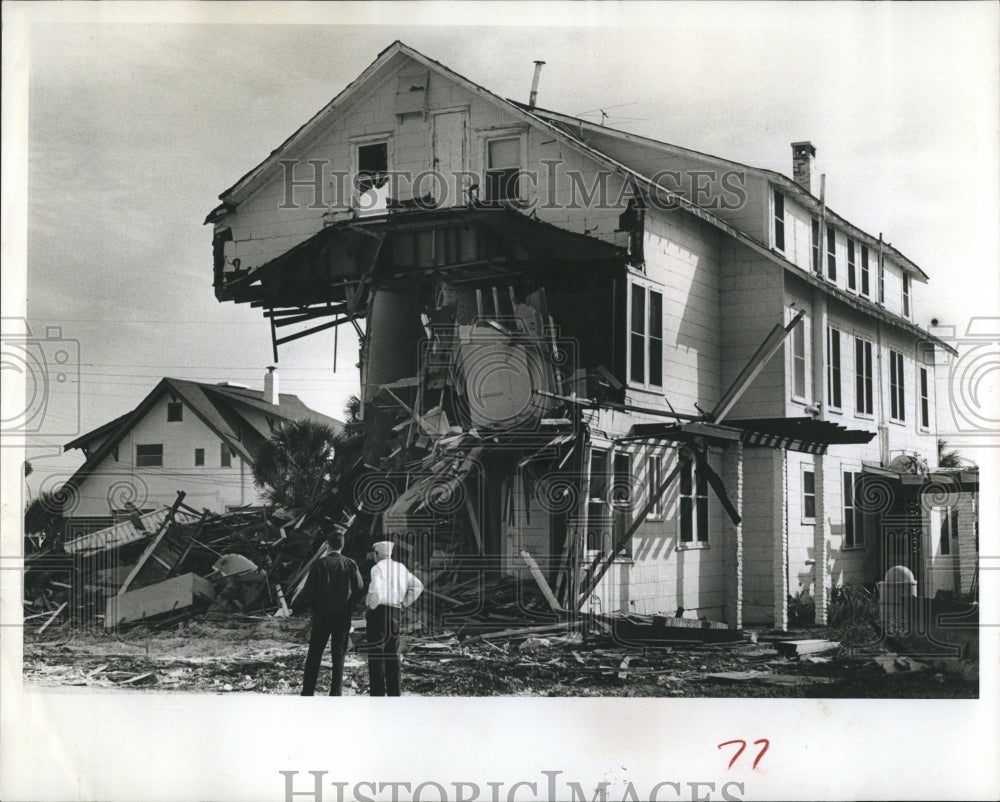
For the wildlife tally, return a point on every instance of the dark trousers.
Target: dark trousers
(338, 634)
(383, 651)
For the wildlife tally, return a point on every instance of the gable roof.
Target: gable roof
(589, 132)
(215, 405)
(541, 119)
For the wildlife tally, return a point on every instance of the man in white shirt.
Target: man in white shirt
(392, 588)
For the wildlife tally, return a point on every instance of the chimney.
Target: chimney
(803, 159)
(534, 84)
(271, 385)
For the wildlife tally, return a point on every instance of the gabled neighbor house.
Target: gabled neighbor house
(184, 435)
(659, 374)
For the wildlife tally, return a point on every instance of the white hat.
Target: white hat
(383, 548)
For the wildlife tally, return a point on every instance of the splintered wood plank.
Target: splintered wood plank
(792, 648)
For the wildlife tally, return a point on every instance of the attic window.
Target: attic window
(411, 94)
(225, 456)
(373, 165)
(503, 169)
(149, 456)
(175, 411)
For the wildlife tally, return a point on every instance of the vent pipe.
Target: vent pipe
(534, 84)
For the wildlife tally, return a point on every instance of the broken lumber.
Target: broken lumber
(526, 631)
(795, 648)
(543, 586)
(52, 618)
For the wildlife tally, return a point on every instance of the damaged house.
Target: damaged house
(644, 378)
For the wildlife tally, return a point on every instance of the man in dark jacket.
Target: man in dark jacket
(334, 587)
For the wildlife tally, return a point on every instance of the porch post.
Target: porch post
(780, 551)
(821, 531)
(734, 538)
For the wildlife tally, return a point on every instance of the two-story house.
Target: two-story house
(657, 373)
(183, 436)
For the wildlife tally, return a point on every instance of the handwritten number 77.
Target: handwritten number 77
(743, 745)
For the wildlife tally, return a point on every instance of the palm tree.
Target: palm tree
(294, 466)
(43, 516)
(352, 410)
(948, 457)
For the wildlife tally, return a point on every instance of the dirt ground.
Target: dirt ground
(266, 655)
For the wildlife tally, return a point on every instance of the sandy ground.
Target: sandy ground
(267, 655)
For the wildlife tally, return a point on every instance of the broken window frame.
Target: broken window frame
(175, 412)
(834, 369)
(924, 419)
(864, 384)
(654, 478)
(798, 359)
(807, 493)
(779, 221)
(149, 455)
(357, 143)
(692, 506)
(897, 387)
(497, 135)
(854, 519)
(652, 345)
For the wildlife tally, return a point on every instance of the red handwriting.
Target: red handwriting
(743, 745)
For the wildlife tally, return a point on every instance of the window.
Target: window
(925, 401)
(815, 245)
(655, 479)
(373, 165)
(799, 360)
(225, 456)
(175, 411)
(694, 503)
(831, 253)
(149, 456)
(881, 280)
(854, 519)
(199, 456)
(897, 392)
(852, 278)
(949, 528)
(597, 517)
(866, 289)
(863, 376)
(779, 221)
(503, 169)
(646, 336)
(833, 395)
(906, 294)
(621, 500)
(808, 494)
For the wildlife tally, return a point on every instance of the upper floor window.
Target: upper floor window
(866, 289)
(693, 503)
(799, 361)
(881, 279)
(906, 294)
(503, 169)
(225, 456)
(925, 401)
(897, 387)
(852, 278)
(199, 456)
(833, 394)
(175, 411)
(149, 456)
(646, 336)
(779, 221)
(373, 165)
(863, 390)
(815, 245)
(831, 253)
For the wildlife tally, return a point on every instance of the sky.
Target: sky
(136, 122)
